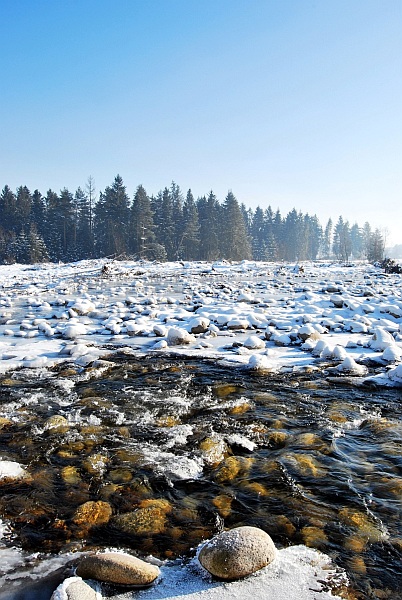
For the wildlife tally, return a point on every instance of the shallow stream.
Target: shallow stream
(156, 455)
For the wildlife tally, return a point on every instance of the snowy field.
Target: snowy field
(343, 321)
(264, 316)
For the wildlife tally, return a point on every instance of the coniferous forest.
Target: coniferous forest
(170, 226)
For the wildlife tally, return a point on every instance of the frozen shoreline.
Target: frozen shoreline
(266, 316)
(271, 318)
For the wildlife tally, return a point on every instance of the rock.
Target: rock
(254, 343)
(74, 588)
(71, 332)
(238, 323)
(92, 513)
(56, 422)
(160, 330)
(177, 337)
(237, 553)
(381, 339)
(214, 450)
(149, 520)
(117, 568)
(199, 325)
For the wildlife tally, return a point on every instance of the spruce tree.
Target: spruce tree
(111, 223)
(191, 229)
(235, 241)
(142, 236)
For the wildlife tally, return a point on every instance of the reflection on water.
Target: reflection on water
(157, 455)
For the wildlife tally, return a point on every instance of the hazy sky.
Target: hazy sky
(292, 103)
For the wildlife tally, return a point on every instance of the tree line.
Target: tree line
(168, 226)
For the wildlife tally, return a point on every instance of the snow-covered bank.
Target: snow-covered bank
(268, 317)
(298, 573)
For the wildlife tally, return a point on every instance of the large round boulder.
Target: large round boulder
(237, 553)
(117, 568)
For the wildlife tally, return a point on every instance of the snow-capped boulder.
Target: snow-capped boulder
(177, 336)
(71, 332)
(160, 330)
(260, 362)
(198, 325)
(392, 354)
(254, 343)
(395, 375)
(381, 339)
(237, 553)
(75, 588)
(350, 366)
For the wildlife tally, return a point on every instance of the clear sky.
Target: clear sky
(292, 103)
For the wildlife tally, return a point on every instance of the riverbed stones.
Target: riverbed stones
(150, 519)
(237, 553)
(56, 423)
(92, 513)
(118, 568)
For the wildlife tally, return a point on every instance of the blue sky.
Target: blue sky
(292, 103)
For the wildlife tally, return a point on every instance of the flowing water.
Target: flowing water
(156, 455)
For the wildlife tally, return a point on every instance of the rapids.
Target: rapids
(157, 454)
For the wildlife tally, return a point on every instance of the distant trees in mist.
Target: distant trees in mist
(68, 226)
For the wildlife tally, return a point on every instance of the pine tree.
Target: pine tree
(342, 245)
(8, 209)
(209, 215)
(235, 242)
(52, 235)
(376, 247)
(38, 212)
(37, 251)
(257, 232)
(111, 222)
(23, 209)
(270, 236)
(293, 236)
(356, 237)
(327, 240)
(177, 216)
(191, 229)
(313, 235)
(142, 236)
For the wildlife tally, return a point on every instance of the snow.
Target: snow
(260, 316)
(297, 573)
(10, 469)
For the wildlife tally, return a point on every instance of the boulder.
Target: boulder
(147, 520)
(199, 325)
(74, 588)
(177, 336)
(237, 553)
(117, 568)
(254, 343)
(92, 513)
